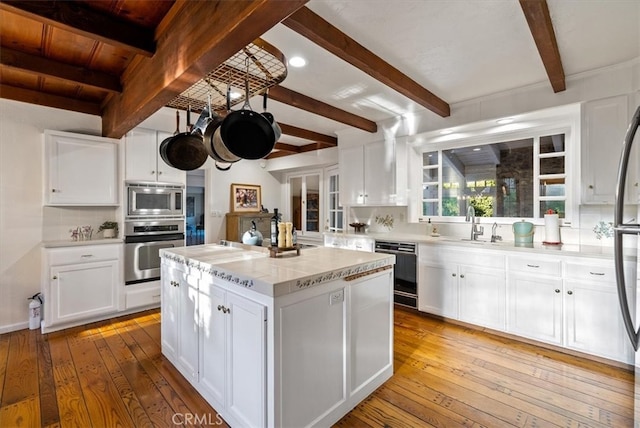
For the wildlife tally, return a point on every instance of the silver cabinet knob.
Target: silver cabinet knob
(55, 276)
(569, 292)
(461, 275)
(159, 172)
(453, 274)
(557, 290)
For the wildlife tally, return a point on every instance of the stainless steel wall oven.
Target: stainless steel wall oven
(405, 272)
(142, 244)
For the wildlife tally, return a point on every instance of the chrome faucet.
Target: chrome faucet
(495, 237)
(476, 230)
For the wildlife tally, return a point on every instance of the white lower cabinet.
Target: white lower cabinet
(482, 296)
(80, 284)
(179, 304)
(535, 299)
(464, 285)
(322, 350)
(217, 340)
(594, 322)
(232, 353)
(567, 301)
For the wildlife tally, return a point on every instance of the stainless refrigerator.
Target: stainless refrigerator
(626, 238)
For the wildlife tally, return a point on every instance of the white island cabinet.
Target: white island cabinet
(258, 336)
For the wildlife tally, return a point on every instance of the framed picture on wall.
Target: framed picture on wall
(245, 198)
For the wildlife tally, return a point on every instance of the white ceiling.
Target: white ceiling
(457, 49)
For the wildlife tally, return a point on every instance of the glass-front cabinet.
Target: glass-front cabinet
(334, 220)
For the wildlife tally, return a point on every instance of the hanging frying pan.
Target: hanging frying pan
(185, 150)
(245, 133)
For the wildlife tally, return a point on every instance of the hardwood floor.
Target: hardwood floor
(112, 374)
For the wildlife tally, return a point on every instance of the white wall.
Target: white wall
(218, 196)
(21, 211)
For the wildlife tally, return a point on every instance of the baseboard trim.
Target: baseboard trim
(13, 327)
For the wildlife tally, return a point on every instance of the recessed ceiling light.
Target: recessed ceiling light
(477, 149)
(297, 61)
(504, 121)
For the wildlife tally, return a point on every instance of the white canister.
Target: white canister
(551, 229)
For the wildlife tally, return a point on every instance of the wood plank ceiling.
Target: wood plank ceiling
(125, 59)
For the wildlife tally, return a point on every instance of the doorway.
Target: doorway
(195, 232)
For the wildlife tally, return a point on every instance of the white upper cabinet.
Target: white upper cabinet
(604, 125)
(80, 169)
(369, 174)
(143, 161)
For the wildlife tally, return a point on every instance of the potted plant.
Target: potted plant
(109, 229)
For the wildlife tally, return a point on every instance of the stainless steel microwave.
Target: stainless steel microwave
(154, 200)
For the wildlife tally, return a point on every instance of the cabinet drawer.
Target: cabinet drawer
(591, 272)
(84, 254)
(536, 265)
(142, 295)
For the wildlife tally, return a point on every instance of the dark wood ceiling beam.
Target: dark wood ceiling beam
(314, 146)
(287, 148)
(537, 14)
(79, 19)
(303, 102)
(190, 43)
(308, 24)
(45, 67)
(278, 154)
(306, 134)
(48, 100)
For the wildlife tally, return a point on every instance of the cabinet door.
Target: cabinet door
(170, 299)
(81, 291)
(351, 176)
(594, 322)
(535, 307)
(379, 174)
(212, 343)
(141, 155)
(246, 361)
(188, 327)
(165, 173)
(482, 296)
(606, 122)
(438, 290)
(81, 171)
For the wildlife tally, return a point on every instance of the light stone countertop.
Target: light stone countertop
(574, 250)
(287, 273)
(70, 243)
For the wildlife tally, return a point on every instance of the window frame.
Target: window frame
(571, 172)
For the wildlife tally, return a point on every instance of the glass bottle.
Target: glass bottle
(274, 229)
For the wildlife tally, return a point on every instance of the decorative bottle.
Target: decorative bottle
(274, 229)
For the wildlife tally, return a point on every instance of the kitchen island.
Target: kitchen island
(291, 341)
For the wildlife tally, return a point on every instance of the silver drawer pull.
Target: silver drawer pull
(86, 255)
(533, 266)
(597, 273)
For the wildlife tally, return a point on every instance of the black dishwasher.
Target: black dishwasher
(405, 272)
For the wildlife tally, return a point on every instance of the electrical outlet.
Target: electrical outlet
(336, 297)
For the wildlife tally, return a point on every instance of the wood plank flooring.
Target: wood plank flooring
(112, 374)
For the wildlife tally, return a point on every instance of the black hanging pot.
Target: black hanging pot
(245, 133)
(217, 149)
(184, 150)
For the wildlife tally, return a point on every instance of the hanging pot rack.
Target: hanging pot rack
(266, 68)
